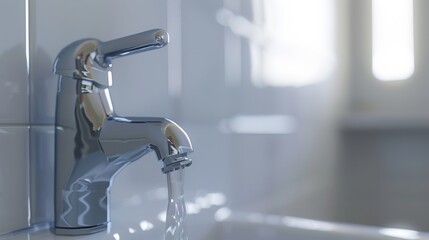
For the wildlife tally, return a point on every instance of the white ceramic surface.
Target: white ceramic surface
(239, 225)
(14, 149)
(13, 66)
(42, 146)
(254, 226)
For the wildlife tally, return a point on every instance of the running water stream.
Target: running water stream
(176, 209)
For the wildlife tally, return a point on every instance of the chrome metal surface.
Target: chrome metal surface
(92, 143)
(140, 42)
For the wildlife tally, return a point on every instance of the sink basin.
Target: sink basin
(223, 224)
(255, 226)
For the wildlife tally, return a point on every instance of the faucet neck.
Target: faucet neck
(83, 99)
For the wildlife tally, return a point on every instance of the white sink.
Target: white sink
(254, 226)
(223, 224)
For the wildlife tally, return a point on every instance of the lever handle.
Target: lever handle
(140, 42)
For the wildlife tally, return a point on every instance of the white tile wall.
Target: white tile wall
(14, 117)
(14, 149)
(13, 66)
(41, 173)
(203, 67)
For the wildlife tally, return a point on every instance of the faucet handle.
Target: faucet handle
(90, 59)
(140, 42)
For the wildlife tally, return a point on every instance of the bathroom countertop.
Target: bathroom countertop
(124, 226)
(230, 225)
(114, 234)
(139, 217)
(128, 229)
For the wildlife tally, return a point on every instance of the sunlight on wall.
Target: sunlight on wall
(298, 46)
(392, 39)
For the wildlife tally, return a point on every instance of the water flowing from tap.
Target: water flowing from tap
(176, 209)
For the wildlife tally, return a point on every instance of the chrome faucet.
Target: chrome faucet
(92, 143)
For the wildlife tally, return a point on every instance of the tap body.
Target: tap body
(92, 143)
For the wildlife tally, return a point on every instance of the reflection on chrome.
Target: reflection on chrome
(146, 226)
(400, 233)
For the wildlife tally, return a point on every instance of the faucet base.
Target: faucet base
(81, 231)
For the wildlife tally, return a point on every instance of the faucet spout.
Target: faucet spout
(92, 143)
(83, 185)
(131, 135)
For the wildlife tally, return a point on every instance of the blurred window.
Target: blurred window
(392, 39)
(295, 44)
